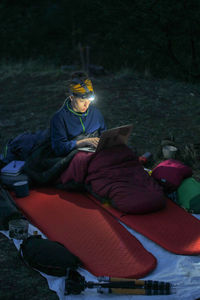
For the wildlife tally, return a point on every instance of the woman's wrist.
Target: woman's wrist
(80, 143)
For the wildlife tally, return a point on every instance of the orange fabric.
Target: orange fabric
(78, 89)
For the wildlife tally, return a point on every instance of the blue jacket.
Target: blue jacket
(66, 124)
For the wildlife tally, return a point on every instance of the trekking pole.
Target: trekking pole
(120, 287)
(75, 284)
(133, 291)
(136, 286)
(154, 284)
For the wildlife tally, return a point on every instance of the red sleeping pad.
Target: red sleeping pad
(103, 245)
(172, 227)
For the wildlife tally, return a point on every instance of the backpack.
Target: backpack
(47, 256)
(170, 174)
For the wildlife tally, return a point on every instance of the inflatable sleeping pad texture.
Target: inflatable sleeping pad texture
(103, 245)
(172, 227)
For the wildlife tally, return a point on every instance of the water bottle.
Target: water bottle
(144, 158)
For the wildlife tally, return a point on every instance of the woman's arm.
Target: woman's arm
(60, 142)
(103, 126)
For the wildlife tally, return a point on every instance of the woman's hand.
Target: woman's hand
(92, 142)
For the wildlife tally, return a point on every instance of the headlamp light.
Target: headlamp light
(90, 96)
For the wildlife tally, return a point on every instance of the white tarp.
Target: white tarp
(180, 270)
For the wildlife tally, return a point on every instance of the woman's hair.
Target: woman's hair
(79, 75)
(79, 85)
(75, 75)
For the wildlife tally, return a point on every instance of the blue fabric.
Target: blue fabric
(22, 145)
(65, 125)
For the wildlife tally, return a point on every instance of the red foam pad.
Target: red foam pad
(172, 227)
(104, 246)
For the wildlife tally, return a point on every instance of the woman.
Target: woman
(77, 123)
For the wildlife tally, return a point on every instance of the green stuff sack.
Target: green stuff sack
(188, 195)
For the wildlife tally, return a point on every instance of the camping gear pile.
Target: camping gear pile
(177, 181)
(170, 176)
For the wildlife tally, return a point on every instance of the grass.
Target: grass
(9, 69)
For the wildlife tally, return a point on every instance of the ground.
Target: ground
(158, 109)
(18, 282)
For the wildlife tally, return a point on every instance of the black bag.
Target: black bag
(47, 256)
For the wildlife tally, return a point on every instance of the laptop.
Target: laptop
(111, 137)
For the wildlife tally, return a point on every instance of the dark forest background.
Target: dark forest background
(160, 37)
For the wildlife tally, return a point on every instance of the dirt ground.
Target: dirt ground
(158, 109)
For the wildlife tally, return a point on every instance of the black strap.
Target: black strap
(82, 83)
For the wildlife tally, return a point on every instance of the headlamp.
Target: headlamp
(90, 96)
(82, 89)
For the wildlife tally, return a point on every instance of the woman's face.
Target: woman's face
(79, 104)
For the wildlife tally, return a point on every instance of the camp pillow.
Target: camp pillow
(170, 173)
(188, 195)
(47, 256)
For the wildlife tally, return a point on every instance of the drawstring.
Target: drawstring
(82, 124)
(78, 115)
